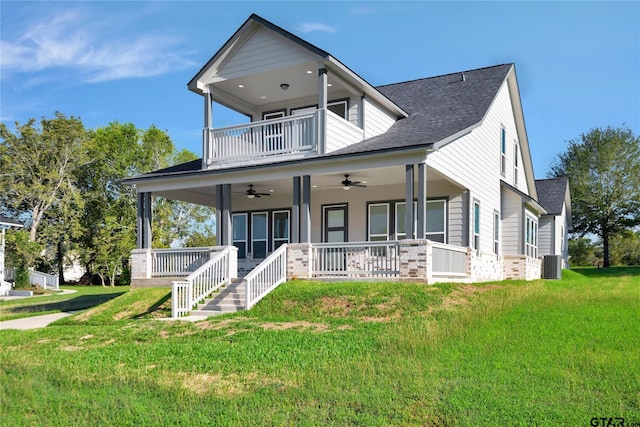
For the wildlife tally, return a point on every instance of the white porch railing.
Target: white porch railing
(186, 294)
(448, 260)
(363, 259)
(46, 281)
(178, 262)
(294, 135)
(268, 275)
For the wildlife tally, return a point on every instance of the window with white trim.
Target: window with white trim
(340, 108)
(503, 151)
(531, 237)
(436, 221)
(476, 225)
(280, 228)
(496, 232)
(516, 154)
(378, 222)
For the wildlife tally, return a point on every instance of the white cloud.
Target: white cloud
(307, 27)
(91, 46)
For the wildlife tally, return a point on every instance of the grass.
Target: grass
(505, 353)
(84, 297)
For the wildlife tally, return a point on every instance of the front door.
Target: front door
(335, 231)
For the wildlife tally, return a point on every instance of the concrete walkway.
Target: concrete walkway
(33, 322)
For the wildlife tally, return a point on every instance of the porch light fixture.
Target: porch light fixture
(250, 196)
(346, 187)
(284, 86)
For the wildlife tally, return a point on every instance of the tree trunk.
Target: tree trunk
(60, 260)
(605, 249)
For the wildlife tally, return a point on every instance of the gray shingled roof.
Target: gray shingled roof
(551, 194)
(439, 107)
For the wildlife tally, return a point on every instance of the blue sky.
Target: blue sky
(578, 63)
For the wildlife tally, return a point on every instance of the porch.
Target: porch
(197, 273)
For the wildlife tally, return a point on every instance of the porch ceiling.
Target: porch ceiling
(319, 182)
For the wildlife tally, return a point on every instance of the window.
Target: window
(240, 234)
(280, 228)
(382, 226)
(436, 220)
(476, 225)
(378, 222)
(531, 237)
(503, 151)
(339, 108)
(496, 232)
(562, 238)
(259, 235)
(515, 163)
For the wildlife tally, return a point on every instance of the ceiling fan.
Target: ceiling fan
(347, 183)
(251, 193)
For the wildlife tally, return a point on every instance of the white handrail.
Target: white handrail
(178, 262)
(187, 293)
(43, 279)
(268, 275)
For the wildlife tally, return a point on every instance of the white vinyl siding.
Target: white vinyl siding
(341, 133)
(376, 120)
(263, 51)
(511, 213)
(546, 238)
(465, 161)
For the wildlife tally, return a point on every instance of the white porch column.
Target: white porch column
(208, 111)
(305, 221)
(422, 201)
(408, 210)
(322, 110)
(295, 211)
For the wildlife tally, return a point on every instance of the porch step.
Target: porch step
(230, 299)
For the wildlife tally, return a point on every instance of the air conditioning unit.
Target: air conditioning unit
(552, 267)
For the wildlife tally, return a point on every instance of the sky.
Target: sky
(577, 62)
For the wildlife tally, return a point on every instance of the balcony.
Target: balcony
(286, 138)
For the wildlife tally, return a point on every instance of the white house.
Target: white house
(5, 223)
(425, 180)
(555, 225)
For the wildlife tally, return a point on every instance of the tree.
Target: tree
(603, 167)
(38, 166)
(582, 252)
(625, 248)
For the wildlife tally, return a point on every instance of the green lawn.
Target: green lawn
(84, 297)
(504, 353)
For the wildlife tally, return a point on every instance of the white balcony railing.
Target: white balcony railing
(293, 135)
(179, 262)
(448, 260)
(266, 277)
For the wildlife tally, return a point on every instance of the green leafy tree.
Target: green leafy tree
(603, 167)
(625, 248)
(582, 252)
(38, 167)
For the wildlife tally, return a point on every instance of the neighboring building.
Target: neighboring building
(5, 223)
(425, 180)
(555, 225)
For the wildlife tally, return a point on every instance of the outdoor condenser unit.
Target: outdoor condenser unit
(552, 267)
